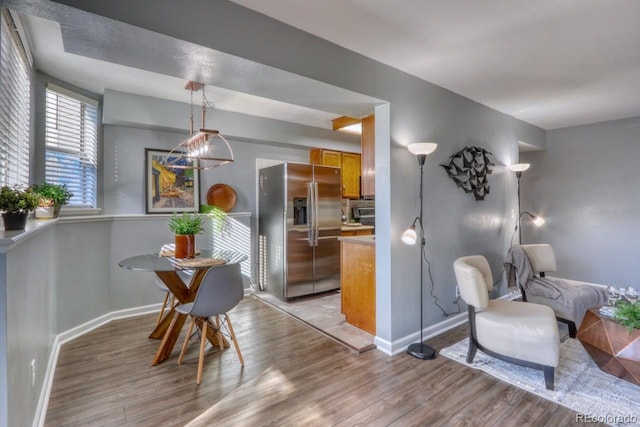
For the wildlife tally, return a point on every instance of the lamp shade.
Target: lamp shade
(538, 221)
(410, 237)
(422, 148)
(519, 167)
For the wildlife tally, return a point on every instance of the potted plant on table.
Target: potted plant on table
(51, 198)
(628, 314)
(16, 204)
(185, 227)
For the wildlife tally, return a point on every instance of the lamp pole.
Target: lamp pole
(421, 350)
(518, 175)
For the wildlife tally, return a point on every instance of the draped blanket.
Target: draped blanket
(576, 299)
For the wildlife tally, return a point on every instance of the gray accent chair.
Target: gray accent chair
(543, 260)
(221, 289)
(513, 331)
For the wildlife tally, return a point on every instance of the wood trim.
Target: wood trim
(368, 158)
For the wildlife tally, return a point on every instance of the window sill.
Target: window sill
(69, 211)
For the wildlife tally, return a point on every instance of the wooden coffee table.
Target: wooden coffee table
(615, 351)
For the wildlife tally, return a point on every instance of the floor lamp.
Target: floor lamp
(518, 168)
(409, 237)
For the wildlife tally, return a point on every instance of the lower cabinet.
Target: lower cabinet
(356, 232)
(358, 284)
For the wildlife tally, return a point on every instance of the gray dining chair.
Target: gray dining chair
(221, 289)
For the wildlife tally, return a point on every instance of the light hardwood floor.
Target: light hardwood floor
(293, 376)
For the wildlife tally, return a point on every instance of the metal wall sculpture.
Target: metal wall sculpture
(469, 168)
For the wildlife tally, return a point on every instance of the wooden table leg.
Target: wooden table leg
(161, 328)
(170, 338)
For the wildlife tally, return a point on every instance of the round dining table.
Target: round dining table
(167, 268)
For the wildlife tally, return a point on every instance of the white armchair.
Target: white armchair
(514, 331)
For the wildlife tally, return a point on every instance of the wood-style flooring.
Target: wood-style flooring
(293, 376)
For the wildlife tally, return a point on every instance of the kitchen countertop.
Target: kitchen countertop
(362, 240)
(356, 227)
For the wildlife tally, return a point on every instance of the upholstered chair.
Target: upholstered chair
(543, 260)
(514, 331)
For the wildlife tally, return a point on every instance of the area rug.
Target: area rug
(579, 383)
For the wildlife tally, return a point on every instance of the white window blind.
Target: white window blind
(72, 144)
(15, 95)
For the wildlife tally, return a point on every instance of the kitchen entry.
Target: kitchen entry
(322, 313)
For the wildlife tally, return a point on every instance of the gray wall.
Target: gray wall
(585, 185)
(29, 280)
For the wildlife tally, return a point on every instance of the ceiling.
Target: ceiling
(551, 63)
(98, 75)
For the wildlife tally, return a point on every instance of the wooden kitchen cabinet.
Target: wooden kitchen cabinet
(349, 164)
(326, 158)
(368, 186)
(356, 232)
(358, 283)
(350, 175)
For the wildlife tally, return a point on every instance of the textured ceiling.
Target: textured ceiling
(550, 63)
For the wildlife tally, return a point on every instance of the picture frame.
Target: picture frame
(167, 189)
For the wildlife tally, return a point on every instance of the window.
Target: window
(72, 144)
(15, 96)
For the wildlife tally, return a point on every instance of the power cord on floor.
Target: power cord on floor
(435, 298)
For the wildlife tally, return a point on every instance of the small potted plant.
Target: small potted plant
(52, 198)
(16, 204)
(628, 314)
(185, 227)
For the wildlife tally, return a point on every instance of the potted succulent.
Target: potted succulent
(16, 204)
(51, 198)
(185, 227)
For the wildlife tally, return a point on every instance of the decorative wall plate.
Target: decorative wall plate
(221, 196)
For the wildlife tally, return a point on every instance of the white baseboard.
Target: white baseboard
(400, 345)
(47, 383)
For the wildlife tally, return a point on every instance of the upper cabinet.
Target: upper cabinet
(350, 175)
(326, 158)
(368, 157)
(349, 163)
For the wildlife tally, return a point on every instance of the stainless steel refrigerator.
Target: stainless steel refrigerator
(299, 222)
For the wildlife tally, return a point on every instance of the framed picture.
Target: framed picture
(170, 189)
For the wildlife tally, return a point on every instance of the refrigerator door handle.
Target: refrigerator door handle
(316, 216)
(310, 215)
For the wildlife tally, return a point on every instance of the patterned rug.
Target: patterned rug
(579, 383)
